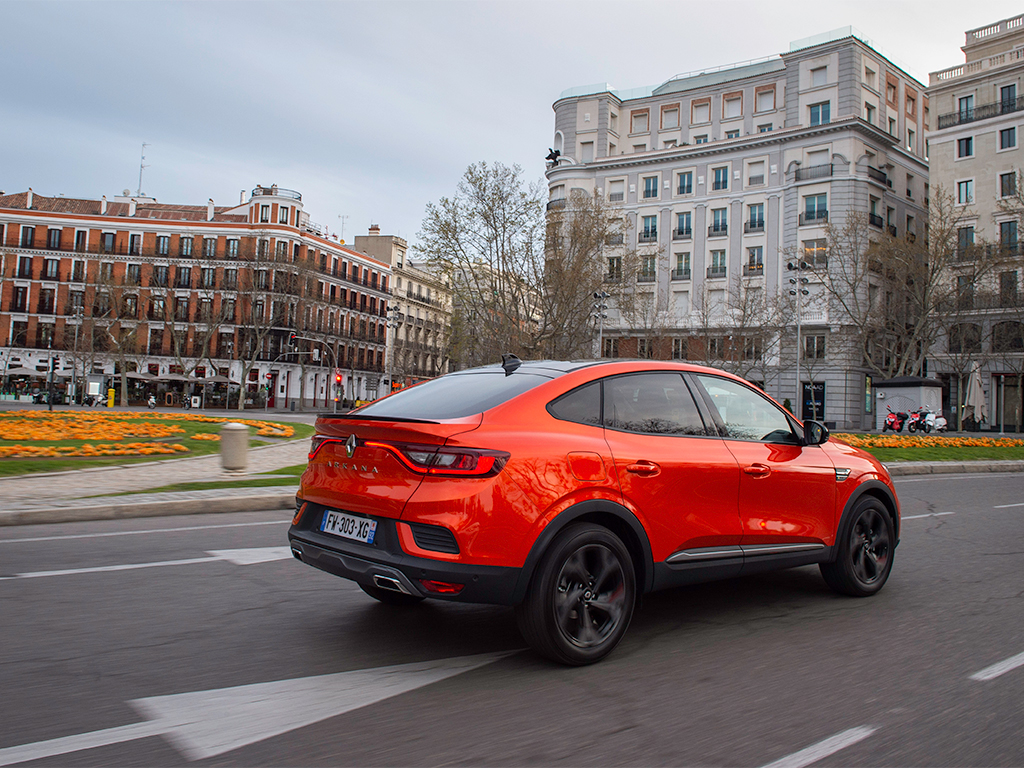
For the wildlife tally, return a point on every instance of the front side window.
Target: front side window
(651, 403)
(745, 414)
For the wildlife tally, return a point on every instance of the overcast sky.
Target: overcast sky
(369, 109)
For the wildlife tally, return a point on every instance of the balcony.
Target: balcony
(753, 270)
(554, 205)
(680, 274)
(277, 192)
(756, 181)
(682, 234)
(646, 277)
(983, 112)
(880, 176)
(814, 172)
(892, 230)
(718, 230)
(875, 220)
(813, 218)
(753, 226)
(616, 239)
(616, 197)
(648, 236)
(716, 271)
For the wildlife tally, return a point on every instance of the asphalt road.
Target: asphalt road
(101, 666)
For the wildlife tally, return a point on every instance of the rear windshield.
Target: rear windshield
(453, 397)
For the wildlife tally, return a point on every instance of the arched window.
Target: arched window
(1008, 337)
(964, 337)
(559, 141)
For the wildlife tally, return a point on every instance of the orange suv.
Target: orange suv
(567, 489)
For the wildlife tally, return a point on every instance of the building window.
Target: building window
(892, 126)
(719, 221)
(869, 113)
(231, 250)
(648, 269)
(206, 277)
(700, 112)
(650, 186)
(683, 225)
(717, 268)
(682, 267)
(51, 269)
(25, 266)
(910, 140)
(159, 278)
(183, 277)
(645, 349)
(819, 76)
(702, 139)
(965, 147)
(639, 148)
(755, 217)
(209, 247)
(732, 134)
(1008, 98)
(265, 213)
(820, 113)
(814, 347)
(678, 348)
(815, 208)
(766, 128)
(282, 214)
(890, 93)
(965, 192)
(649, 233)
(911, 104)
(670, 118)
(185, 246)
(230, 279)
(1008, 138)
(133, 274)
(1008, 289)
(19, 302)
(966, 108)
(107, 242)
(765, 101)
(1008, 235)
(614, 273)
(721, 178)
(135, 244)
(106, 273)
(282, 250)
(732, 107)
(815, 253)
(755, 260)
(1008, 184)
(163, 245)
(964, 240)
(684, 184)
(80, 241)
(28, 236)
(639, 122)
(611, 348)
(53, 239)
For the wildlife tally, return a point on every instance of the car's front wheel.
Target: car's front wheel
(864, 551)
(580, 598)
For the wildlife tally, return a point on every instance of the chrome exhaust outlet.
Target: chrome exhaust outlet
(297, 553)
(390, 584)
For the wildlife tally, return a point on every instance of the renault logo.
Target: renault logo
(350, 445)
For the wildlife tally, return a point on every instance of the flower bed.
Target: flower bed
(926, 441)
(89, 449)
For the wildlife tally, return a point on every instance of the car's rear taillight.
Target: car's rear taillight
(441, 587)
(317, 443)
(447, 461)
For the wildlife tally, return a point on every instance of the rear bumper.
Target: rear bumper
(384, 563)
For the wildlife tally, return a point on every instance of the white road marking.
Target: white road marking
(990, 673)
(930, 514)
(1007, 506)
(233, 556)
(202, 724)
(823, 749)
(139, 533)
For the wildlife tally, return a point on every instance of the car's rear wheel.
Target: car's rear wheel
(580, 598)
(864, 558)
(388, 597)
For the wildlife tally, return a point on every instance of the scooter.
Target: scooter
(894, 421)
(151, 402)
(934, 422)
(916, 421)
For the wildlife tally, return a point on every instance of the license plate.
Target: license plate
(349, 526)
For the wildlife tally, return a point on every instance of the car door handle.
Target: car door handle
(643, 467)
(758, 470)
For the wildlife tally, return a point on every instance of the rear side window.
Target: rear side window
(453, 396)
(651, 403)
(582, 405)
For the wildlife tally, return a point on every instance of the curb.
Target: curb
(900, 469)
(202, 506)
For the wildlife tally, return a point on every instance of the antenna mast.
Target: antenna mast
(142, 165)
(343, 218)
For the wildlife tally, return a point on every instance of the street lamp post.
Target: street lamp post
(799, 291)
(600, 307)
(393, 324)
(325, 345)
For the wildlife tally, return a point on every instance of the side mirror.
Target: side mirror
(815, 433)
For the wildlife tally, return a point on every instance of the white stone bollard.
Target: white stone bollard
(234, 447)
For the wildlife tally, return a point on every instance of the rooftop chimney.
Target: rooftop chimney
(131, 207)
(241, 197)
(28, 203)
(209, 209)
(103, 204)
(374, 229)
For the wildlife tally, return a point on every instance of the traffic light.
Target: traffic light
(291, 339)
(337, 385)
(55, 363)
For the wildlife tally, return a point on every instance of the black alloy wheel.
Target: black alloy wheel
(864, 551)
(581, 597)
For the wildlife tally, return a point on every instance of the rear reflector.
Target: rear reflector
(441, 587)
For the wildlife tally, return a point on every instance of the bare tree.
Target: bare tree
(258, 311)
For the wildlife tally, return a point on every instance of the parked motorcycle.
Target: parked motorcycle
(894, 421)
(151, 402)
(934, 422)
(916, 421)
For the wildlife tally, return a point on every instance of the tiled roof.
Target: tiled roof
(163, 211)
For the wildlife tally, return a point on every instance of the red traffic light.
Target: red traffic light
(337, 378)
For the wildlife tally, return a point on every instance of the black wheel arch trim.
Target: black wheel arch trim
(874, 488)
(582, 511)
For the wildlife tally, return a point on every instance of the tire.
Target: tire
(885, 427)
(927, 428)
(864, 551)
(580, 598)
(388, 597)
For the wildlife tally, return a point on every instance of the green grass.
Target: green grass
(947, 454)
(11, 467)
